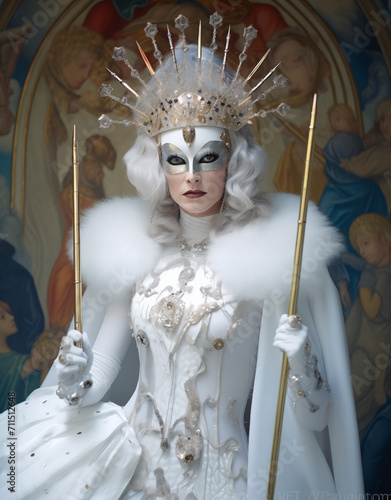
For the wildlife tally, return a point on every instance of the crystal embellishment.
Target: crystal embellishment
(170, 312)
(181, 22)
(188, 448)
(119, 54)
(151, 30)
(215, 20)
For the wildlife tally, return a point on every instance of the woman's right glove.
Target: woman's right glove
(73, 367)
(84, 374)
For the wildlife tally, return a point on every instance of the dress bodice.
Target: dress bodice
(197, 348)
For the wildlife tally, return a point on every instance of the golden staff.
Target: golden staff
(292, 309)
(76, 236)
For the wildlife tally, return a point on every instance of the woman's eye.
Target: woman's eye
(175, 160)
(209, 158)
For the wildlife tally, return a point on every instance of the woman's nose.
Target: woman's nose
(193, 177)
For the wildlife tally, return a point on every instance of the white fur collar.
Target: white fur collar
(114, 243)
(252, 261)
(256, 261)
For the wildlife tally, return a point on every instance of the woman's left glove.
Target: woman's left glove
(307, 389)
(292, 338)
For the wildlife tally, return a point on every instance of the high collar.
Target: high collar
(195, 229)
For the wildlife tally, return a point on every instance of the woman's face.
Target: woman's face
(196, 174)
(7, 323)
(374, 251)
(78, 69)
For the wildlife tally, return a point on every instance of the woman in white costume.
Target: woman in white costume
(200, 268)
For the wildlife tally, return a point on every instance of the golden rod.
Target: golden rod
(292, 309)
(76, 237)
(199, 53)
(257, 66)
(145, 59)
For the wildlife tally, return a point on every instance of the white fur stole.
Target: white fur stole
(114, 244)
(257, 260)
(251, 261)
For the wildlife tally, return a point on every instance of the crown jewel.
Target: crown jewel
(189, 90)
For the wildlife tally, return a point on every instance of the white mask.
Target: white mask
(207, 152)
(196, 173)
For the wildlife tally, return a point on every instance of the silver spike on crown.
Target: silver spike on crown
(195, 91)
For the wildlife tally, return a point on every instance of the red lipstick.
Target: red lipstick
(194, 194)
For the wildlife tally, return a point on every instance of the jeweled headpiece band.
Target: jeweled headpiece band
(187, 91)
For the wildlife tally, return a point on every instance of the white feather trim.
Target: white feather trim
(115, 248)
(257, 260)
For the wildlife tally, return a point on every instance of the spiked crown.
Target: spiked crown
(190, 90)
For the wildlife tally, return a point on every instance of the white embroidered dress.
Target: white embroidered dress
(193, 343)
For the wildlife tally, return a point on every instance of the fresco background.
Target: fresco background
(53, 55)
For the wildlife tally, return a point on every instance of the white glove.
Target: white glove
(74, 363)
(73, 367)
(307, 390)
(293, 342)
(84, 375)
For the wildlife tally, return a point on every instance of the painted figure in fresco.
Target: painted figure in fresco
(66, 95)
(307, 70)
(347, 195)
(13, 376)
(18, 290)
(99, 153)
(368, 328)
(9, 53)
(11, 227)
(375, 160)
(43, 352)
(18, 294)
(368, 325)
(76, 56)
(190, 270)
(302, 62)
